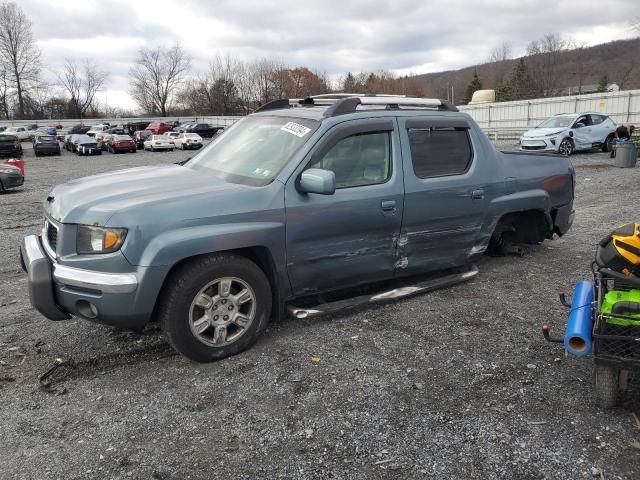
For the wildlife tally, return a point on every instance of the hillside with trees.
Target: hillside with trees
(552, 66)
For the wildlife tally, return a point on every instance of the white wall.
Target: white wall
(622, 106)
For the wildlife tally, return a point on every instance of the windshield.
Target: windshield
(560, 121)
(254, 149)
(7, 138)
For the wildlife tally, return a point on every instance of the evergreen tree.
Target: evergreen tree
(603, 83)
(521, 83)
(474, 85)
(349, 83)
(503, 91)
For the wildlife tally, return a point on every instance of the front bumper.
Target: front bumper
(59, 291)
(544, 144)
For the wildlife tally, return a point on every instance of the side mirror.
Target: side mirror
(578, 125)
(316, 180)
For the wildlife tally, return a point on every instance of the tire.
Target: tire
(207, 277)
(566, 147)
(37, 154)
(605, 386)
(607, 146)
(171, 149)
(182, 146)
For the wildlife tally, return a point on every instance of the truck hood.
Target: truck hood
(542, 132)
(94, 200)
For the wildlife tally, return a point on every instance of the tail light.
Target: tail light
(172, 142)
(189, 140)
(157, 143)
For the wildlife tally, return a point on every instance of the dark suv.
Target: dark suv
(10, 146)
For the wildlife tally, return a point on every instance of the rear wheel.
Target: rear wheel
(607, 146)
(215, 306)
(566, 147)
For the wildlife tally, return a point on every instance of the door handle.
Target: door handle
(477, 194)
(388, 205)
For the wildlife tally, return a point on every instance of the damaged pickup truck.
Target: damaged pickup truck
(298, 199)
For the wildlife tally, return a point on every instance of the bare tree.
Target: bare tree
(546, 57)
(81, 83)
(501, 52)
(158, 75)
(19, 54)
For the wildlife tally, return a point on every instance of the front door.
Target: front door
(348, 238)
(583, 135)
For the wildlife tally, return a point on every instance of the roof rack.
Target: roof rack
(341, 103)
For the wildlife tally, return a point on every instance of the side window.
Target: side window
(358, 160)
(597, 119)
(439, 152)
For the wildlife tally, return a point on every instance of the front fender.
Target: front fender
(169, 248)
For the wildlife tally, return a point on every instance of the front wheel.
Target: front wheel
(566, 147)
(215, 306)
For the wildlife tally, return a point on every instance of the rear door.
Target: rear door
(347, 238)
(445, 193)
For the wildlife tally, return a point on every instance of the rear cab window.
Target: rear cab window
(439, 148)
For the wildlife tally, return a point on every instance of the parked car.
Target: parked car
(21, 132)
(158, 128)
(10, 177)
(34, 133)
(85, 145)
(568, 133)
(33, 126)
(187, 141)
(203, 129)
(101, 127)
(2, 129)
(72, 141)
(122, 143)
(172, 135)
(116, 130)
(46, 145)
(159, 142)
(287, 204)
(57, 126)
(10, 146)
(132, 127)
(79, 129)
(182, 128)
(140, 136)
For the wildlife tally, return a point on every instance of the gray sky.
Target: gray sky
(330, 36)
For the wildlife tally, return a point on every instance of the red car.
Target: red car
(121, 143)
(158, 128)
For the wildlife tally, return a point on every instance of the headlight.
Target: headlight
(99, 239)
(552, 134)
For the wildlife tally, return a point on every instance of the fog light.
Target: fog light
(87, 309)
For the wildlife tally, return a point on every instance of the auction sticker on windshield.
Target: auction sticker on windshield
(295, 128)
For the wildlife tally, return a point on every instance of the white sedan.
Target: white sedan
(159, 142)
(186, 141)
(21, 132)
(568, 133)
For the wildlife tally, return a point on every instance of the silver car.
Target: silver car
(569, 132)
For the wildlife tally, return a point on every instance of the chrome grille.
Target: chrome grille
(51, 234)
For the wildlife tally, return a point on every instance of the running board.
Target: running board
(421, 287)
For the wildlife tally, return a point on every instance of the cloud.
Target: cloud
(330, 36)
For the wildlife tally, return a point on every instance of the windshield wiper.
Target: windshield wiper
(182, 162)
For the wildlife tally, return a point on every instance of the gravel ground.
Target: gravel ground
(454, 384)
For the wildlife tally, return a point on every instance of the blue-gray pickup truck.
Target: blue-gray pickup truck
(296, 200)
